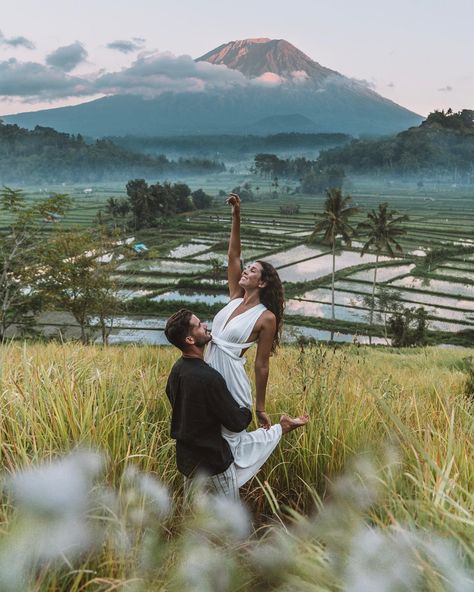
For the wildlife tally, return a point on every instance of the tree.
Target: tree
(118, 208)
(201, 199)
(246, 193)
(382, 229)
(182, 196)
(20, 252)
(334, 223)
(140, 201)
(385, 302)
(76, 276)
(408, 327)
(163, 202)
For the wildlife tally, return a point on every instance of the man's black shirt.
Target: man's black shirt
(201, 405)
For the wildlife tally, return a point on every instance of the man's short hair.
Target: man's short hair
(178, 327)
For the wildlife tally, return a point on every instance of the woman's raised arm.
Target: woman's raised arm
(234, 271)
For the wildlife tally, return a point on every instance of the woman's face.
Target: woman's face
(252, 277)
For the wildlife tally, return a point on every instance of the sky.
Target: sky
(418, 53)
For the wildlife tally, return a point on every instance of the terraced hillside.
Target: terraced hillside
(185, 262)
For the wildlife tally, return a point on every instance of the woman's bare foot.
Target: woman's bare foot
(291, 423)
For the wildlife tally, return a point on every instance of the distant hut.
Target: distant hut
(140, 248)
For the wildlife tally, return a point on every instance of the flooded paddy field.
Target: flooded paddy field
(194, 252)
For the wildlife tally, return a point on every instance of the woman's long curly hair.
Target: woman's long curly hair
(273, 298)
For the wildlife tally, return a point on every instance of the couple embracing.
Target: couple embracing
(208, 387)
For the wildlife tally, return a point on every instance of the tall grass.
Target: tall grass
(406, 408)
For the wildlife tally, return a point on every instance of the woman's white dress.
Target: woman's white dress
(229, 338)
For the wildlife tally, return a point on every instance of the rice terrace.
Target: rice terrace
(236, 297)
(193, 253)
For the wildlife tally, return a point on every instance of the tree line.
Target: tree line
(443, 145)
(150, 205)
(46, 155)
(313, 177)
(230, 144)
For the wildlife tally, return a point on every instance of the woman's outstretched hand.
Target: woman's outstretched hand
(263, 420)
(234, 201)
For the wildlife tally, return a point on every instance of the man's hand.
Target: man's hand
(234, 201)
(263, 420)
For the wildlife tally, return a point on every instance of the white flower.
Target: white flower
(224, 517)
(57, 488)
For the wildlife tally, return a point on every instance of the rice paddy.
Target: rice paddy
(193, 253)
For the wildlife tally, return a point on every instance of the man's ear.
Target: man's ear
(189, 340)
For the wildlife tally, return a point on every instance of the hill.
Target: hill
(43, 154)
(278, 81)
(442, 145)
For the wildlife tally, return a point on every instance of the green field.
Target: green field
(402, 419)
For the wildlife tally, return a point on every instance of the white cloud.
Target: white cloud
(153, 74)
(299, 76)
(269, 79)
(446, 88)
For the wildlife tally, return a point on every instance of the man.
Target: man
(201, 405)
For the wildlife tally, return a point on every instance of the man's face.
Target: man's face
(198, 332)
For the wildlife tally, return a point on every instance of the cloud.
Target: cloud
(16, 42)
(153, 74)
(127, 46)
(150, 75)
(68, 57)
(34, 81)
(391, 85)
(446, 88)
(367, 83)
(299, 76)
(268, 79)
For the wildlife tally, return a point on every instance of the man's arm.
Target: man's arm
(225, 408)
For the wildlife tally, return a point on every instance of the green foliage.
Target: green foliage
(319, 179)
(290, 209)
(335, 219)
(313, 177)
(151, 204)
(441, 145)
(201, 200)
(20, 246)
(334, 223)
(232, 145)
(45, 155)
(408, 327)
(461, 121)
(382, 230)
(76, 275)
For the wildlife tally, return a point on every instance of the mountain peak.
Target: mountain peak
(255, 57)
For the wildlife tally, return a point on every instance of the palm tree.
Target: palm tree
(335, 222)
(382, 229)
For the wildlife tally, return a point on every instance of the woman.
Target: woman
(253, 315)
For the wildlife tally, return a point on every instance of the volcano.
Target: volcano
(279, 85)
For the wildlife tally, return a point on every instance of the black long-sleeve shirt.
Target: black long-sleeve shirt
(201, 405)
